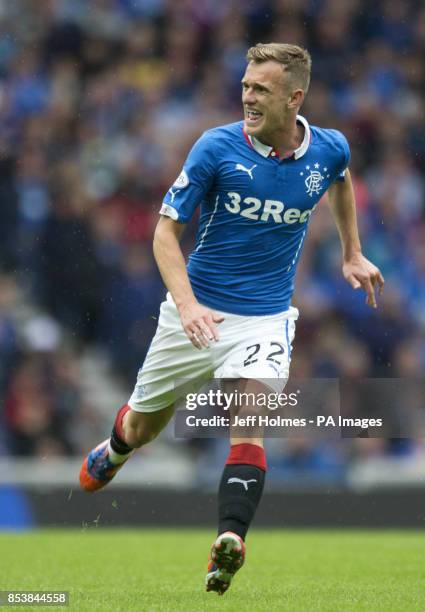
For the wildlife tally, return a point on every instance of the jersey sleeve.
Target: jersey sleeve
(345, 155)
(193, 183)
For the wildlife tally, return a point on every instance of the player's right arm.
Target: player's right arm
(187, 191)
(198, 321)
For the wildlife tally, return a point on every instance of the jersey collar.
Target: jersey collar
(266, 150)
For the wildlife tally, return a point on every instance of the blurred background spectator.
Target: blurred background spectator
(100, 102)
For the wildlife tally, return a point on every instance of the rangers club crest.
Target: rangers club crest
(314, 179)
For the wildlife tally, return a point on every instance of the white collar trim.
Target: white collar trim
(265, 150)
(260, 147)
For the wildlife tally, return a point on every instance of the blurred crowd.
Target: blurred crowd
(100, 101)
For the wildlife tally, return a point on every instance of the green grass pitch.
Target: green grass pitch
(149, 570)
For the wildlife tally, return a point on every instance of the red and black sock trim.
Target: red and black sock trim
(117, 436)
(247, 454)
(241, 488)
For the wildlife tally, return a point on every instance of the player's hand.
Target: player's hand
(199, 323)
(360, 272)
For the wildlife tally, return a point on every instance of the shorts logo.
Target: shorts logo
(140, 392)
(182, 180)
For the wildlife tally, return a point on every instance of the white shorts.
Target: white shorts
(255, 347)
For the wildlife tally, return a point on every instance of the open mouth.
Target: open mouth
(252, 117)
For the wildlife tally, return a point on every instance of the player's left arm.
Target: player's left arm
(357, 270)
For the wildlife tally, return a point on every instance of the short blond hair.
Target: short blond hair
(295, 60)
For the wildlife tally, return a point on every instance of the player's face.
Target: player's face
(266, 98)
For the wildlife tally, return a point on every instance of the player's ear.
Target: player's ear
(296, 98)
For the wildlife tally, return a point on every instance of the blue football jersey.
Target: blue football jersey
(255, 210)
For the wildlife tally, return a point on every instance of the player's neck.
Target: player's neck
(288, 138)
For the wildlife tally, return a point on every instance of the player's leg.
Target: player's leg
(171, 357)
(131, 430)
(243, 477)
(257, 350)
(139, 428)
(240, 491)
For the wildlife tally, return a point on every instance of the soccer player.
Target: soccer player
(228, 313)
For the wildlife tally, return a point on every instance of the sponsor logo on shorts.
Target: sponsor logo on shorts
(140, 392)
